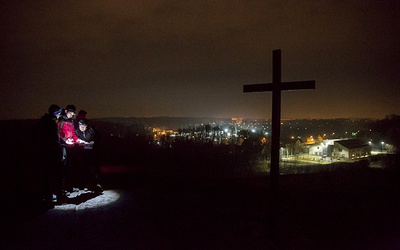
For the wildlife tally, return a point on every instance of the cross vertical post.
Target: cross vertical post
(276, 118)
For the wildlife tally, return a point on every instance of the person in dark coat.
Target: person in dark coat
(89, 141)
(50, 154)
(81, 115)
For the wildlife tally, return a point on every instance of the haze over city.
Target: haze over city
(192, 58)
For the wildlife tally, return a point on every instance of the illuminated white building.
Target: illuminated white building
(351, 149)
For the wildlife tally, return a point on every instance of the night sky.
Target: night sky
(192, 58)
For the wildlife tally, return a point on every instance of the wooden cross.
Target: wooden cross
(276, 87)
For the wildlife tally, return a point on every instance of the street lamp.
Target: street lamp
(382, 146)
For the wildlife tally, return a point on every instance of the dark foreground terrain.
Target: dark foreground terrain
(144, 210)
(146, 207)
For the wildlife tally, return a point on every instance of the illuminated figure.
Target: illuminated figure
(66, 126)
(87, 156)
(68, 139)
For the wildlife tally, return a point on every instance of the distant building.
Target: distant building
(323, 148)
(298, 147)
(351, 149)
(237, 120)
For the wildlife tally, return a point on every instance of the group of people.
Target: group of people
(68, 151)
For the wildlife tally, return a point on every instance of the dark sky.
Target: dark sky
(191, 58)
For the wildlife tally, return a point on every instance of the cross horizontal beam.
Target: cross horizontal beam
(264, 87)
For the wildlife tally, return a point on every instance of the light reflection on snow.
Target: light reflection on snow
(85, 200)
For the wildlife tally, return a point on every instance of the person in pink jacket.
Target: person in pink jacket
(66, 126)
(68, 139)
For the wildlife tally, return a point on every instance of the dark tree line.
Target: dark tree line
(386, 130)
(389, 130)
